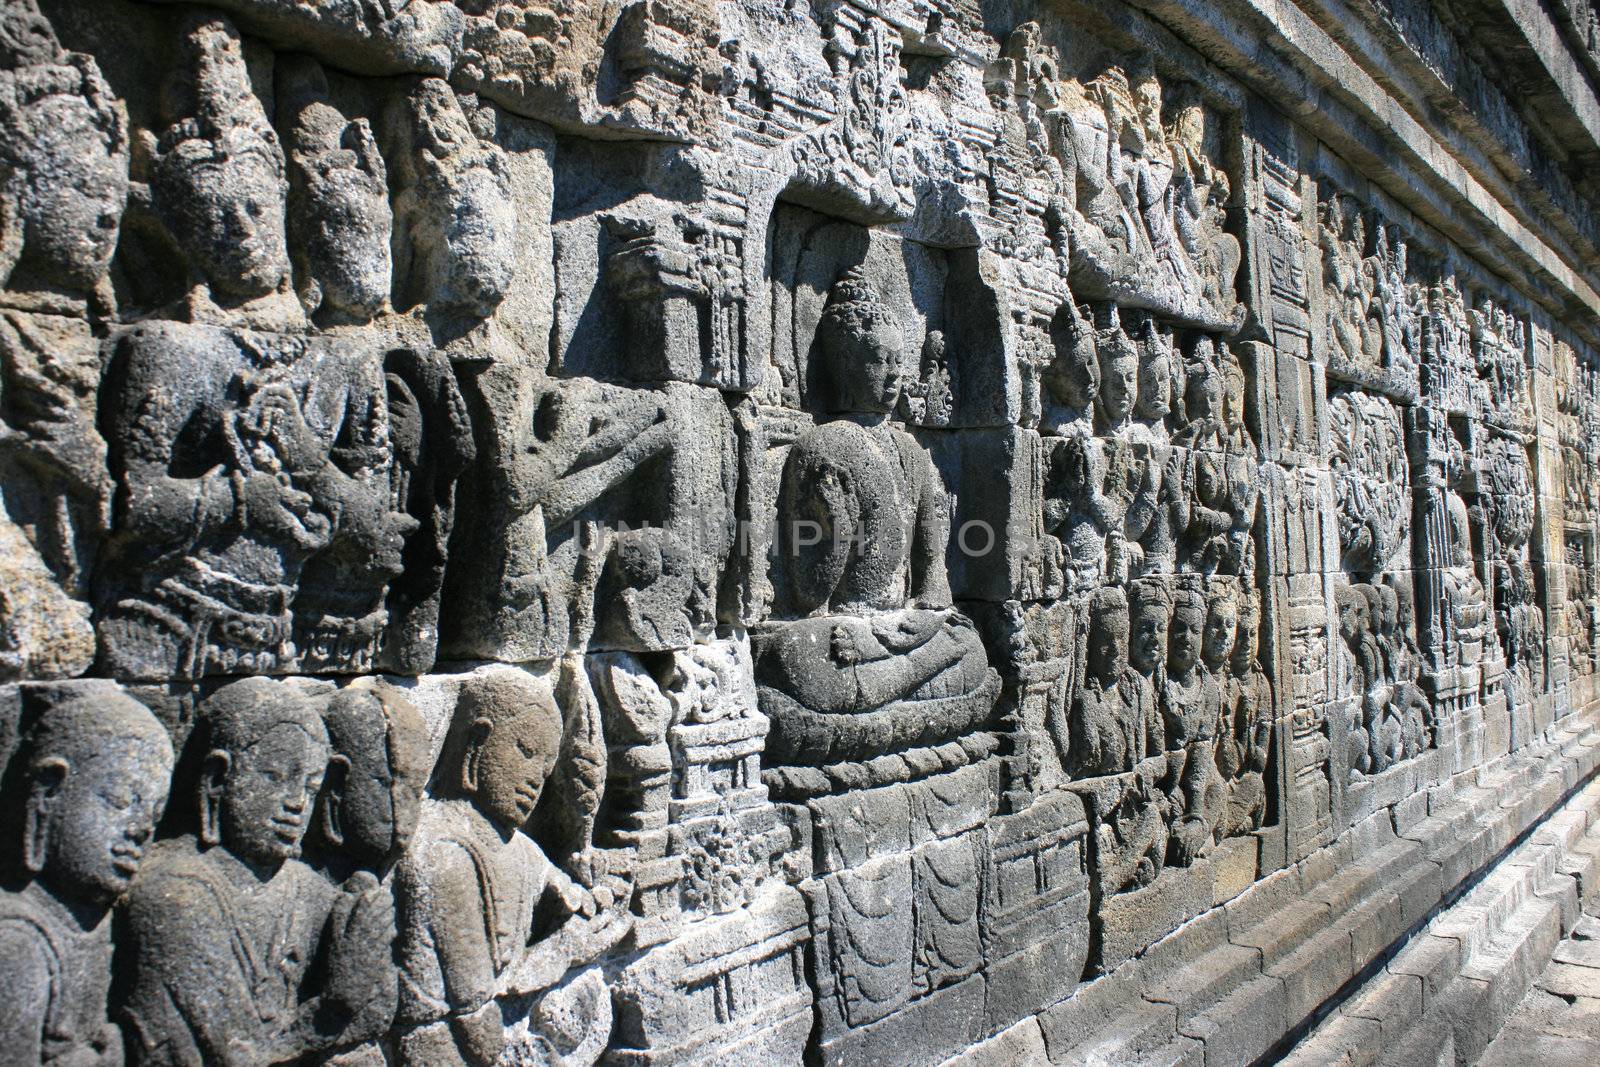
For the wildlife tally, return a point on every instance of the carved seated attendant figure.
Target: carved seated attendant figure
(877, 660)
(223, 931)
(471, 885)
(1111, 725)
(1193, 714)
(91, 780)
(367, 818)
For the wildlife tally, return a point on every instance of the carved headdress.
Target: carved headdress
(220, 115)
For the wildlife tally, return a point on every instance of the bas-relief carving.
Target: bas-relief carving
(226, 924)
(90, 777)
(817, 788)
(1374, 305)
(64, 189)
(471, 885)
(875, 661)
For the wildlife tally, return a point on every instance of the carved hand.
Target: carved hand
(284, 427)
(270, 504)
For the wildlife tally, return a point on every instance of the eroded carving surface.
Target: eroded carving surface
(660, 533)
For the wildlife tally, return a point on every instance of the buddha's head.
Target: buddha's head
(862, 348)
(95, 771)
(377, 773)
(268, 754)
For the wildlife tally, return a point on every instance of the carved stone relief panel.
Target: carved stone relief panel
(558, 533)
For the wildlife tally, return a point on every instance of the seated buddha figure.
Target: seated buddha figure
(873, 659)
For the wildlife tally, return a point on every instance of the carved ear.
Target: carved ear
(338, 774)
(213, 777)
(477, 734)
(47, 780)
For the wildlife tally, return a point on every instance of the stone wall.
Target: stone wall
(843, 531)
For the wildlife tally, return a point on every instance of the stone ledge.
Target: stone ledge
(1296, 940)
(1452, 985)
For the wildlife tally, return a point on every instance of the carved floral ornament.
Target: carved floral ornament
(554, 533)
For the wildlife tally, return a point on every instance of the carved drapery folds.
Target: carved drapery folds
(687, 532)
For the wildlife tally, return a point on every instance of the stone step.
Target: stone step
(1450, 988)
(1298, 938)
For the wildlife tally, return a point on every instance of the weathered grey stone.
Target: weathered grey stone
(836, 532)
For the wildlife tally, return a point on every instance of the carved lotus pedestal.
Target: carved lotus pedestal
(867, 702)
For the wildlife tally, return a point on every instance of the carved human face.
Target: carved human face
(99, 812)
(1073, 375)
(1184, 638)
(1149, 637)
(1349, 617)
(1155, 380)
(1246, 638)
(73, 195)
(511, 760)
(268, 789)
(1119, 391)
(344, 229)
(1208, 478)
(1233, 395)
(1388, 608)
(1222, 624)
(229, 211)
(1108, 643)
(868, 369)
(382, 796)
(1205, 395)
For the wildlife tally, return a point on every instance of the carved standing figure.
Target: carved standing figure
(1193, 710)
(1149, 616)
(1247, 720)
(91, 780)
(1110, 726)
